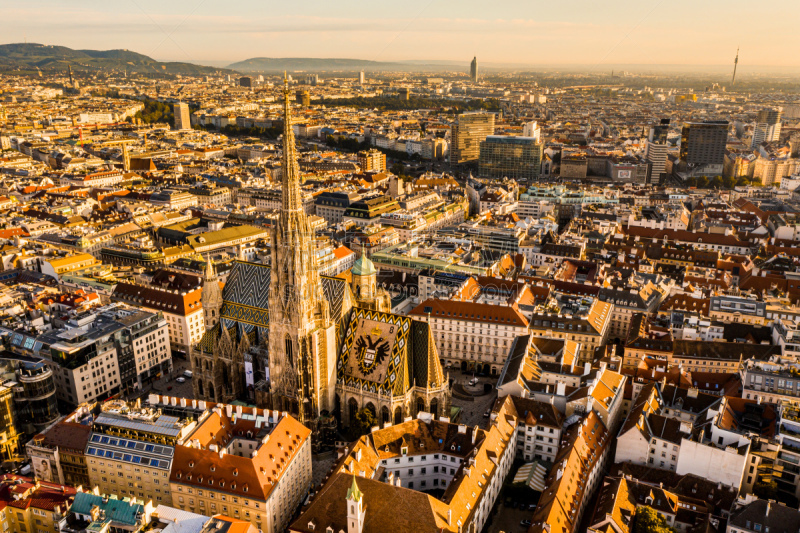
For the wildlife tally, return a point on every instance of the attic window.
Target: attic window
(404, 450)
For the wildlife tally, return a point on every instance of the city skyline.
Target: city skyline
(515, 33)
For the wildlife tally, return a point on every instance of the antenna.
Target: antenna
(735, 63)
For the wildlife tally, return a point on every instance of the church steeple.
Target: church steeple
(300, 326)
(292, 199)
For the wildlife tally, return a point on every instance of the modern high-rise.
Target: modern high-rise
(303, 98)
(655, 151)
(372, 160)
(245, 81)
(183, 120)
(703, 144)
(518, 158)
(768, 126)
(473, 70)
(362, 79)
(466, 136)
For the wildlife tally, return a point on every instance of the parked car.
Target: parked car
(187, 373)
(474, 381)
(487, 413)
(531, 506)
(181, 380)
(525, 523)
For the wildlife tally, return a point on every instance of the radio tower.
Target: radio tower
(735, 62)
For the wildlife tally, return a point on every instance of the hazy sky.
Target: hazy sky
(536, 32)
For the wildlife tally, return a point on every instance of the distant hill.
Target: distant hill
(32, 56)
(279, 64)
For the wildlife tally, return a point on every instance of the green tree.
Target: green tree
(766, 490)
(649, 521)
(364, 421)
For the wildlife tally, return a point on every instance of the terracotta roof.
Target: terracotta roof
(168, 301)
(244, 476)
(471, 311)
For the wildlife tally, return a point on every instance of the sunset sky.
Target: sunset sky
(531, 32)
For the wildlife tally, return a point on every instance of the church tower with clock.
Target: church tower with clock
(302, 339)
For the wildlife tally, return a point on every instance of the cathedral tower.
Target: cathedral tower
(211, 296)
(302, 344)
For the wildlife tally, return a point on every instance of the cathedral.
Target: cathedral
(314, 344)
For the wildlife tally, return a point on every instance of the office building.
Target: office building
(518, 158)
(655, 151)
(473, 70)
(404, 93)
(35, 397)
(703, 146)
(245, 81)
(466, 136)
(183, 119)
(109, 350)
(768, 126)
(362, 79)
(372, 160)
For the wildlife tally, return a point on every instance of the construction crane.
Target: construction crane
(126, 158)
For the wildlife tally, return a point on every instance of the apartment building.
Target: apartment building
(584, 320)
(246, 463)
(59, 454)
(539, 427)
(27, 505)
(576, 474)
(130, 451)
(377, 485)
(182, 310)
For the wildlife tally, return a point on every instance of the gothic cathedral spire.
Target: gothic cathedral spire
(292, 200)
(300, 327)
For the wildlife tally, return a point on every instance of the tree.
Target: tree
(649, 521)
(766, 490)
(364, 422)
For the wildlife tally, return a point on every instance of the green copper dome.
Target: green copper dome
(363, 267)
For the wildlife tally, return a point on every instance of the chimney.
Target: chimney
(769, 505)
(449, 516)
(397, 481)
(390, 478)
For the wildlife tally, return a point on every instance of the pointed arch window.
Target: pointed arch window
(288, 350)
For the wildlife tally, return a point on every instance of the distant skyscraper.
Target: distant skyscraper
(362, 79)
(703, 145)
(466, 136)
(518, 158)
(183, 119)
(768, 126)
(473, 70)
(245, 81)
(655, 151)
(303, 98)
